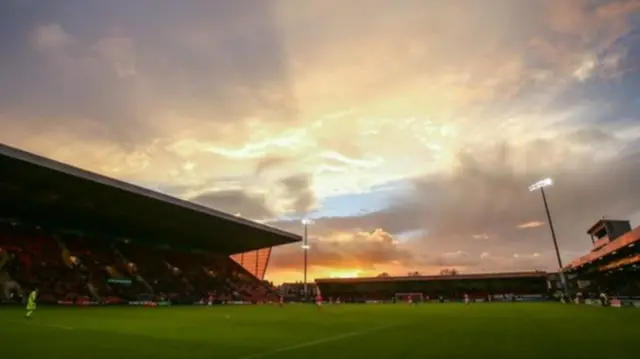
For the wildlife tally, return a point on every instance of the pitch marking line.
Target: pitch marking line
(317, 342)
(64, 327)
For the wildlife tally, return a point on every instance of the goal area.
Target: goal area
(409, 297)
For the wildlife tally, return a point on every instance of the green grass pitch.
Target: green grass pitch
(483, 330)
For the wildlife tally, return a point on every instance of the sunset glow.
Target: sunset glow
(345, 274)
(408, 131)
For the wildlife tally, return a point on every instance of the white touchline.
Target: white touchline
(316, 342)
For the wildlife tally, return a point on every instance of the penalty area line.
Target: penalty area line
(316, 342)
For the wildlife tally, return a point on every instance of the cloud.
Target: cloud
(181, 85)
(282, 109)
(488, 194)
(270, 163)
(298, 189)
(250, 206)
(531, 224)
(51, 37)
(119, 52)
(362, 250)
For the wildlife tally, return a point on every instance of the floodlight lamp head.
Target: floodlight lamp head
(306, 221)
(540, 184)
(306, 247)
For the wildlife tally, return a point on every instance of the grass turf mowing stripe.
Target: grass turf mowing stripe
(317, 342)
(38, 324)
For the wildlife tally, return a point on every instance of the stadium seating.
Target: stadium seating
(98, 263)
(248, 287)
(149, 265)
(35, 260)
(74, 268)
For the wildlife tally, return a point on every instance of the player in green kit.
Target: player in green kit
(31, 303)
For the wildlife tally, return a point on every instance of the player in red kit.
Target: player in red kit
(410, 300)
(281, 300)
(319, 300)
(466, 299)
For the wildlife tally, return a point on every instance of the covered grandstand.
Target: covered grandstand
(451, 287)
(49, 210)
(613, 264)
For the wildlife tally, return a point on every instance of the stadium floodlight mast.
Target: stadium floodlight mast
(540, 185)
(305, 248)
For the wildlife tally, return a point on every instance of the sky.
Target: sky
(408, 130)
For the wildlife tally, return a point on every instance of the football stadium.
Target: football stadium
(124, 271)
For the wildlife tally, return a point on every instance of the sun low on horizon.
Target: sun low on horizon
(408, 131)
